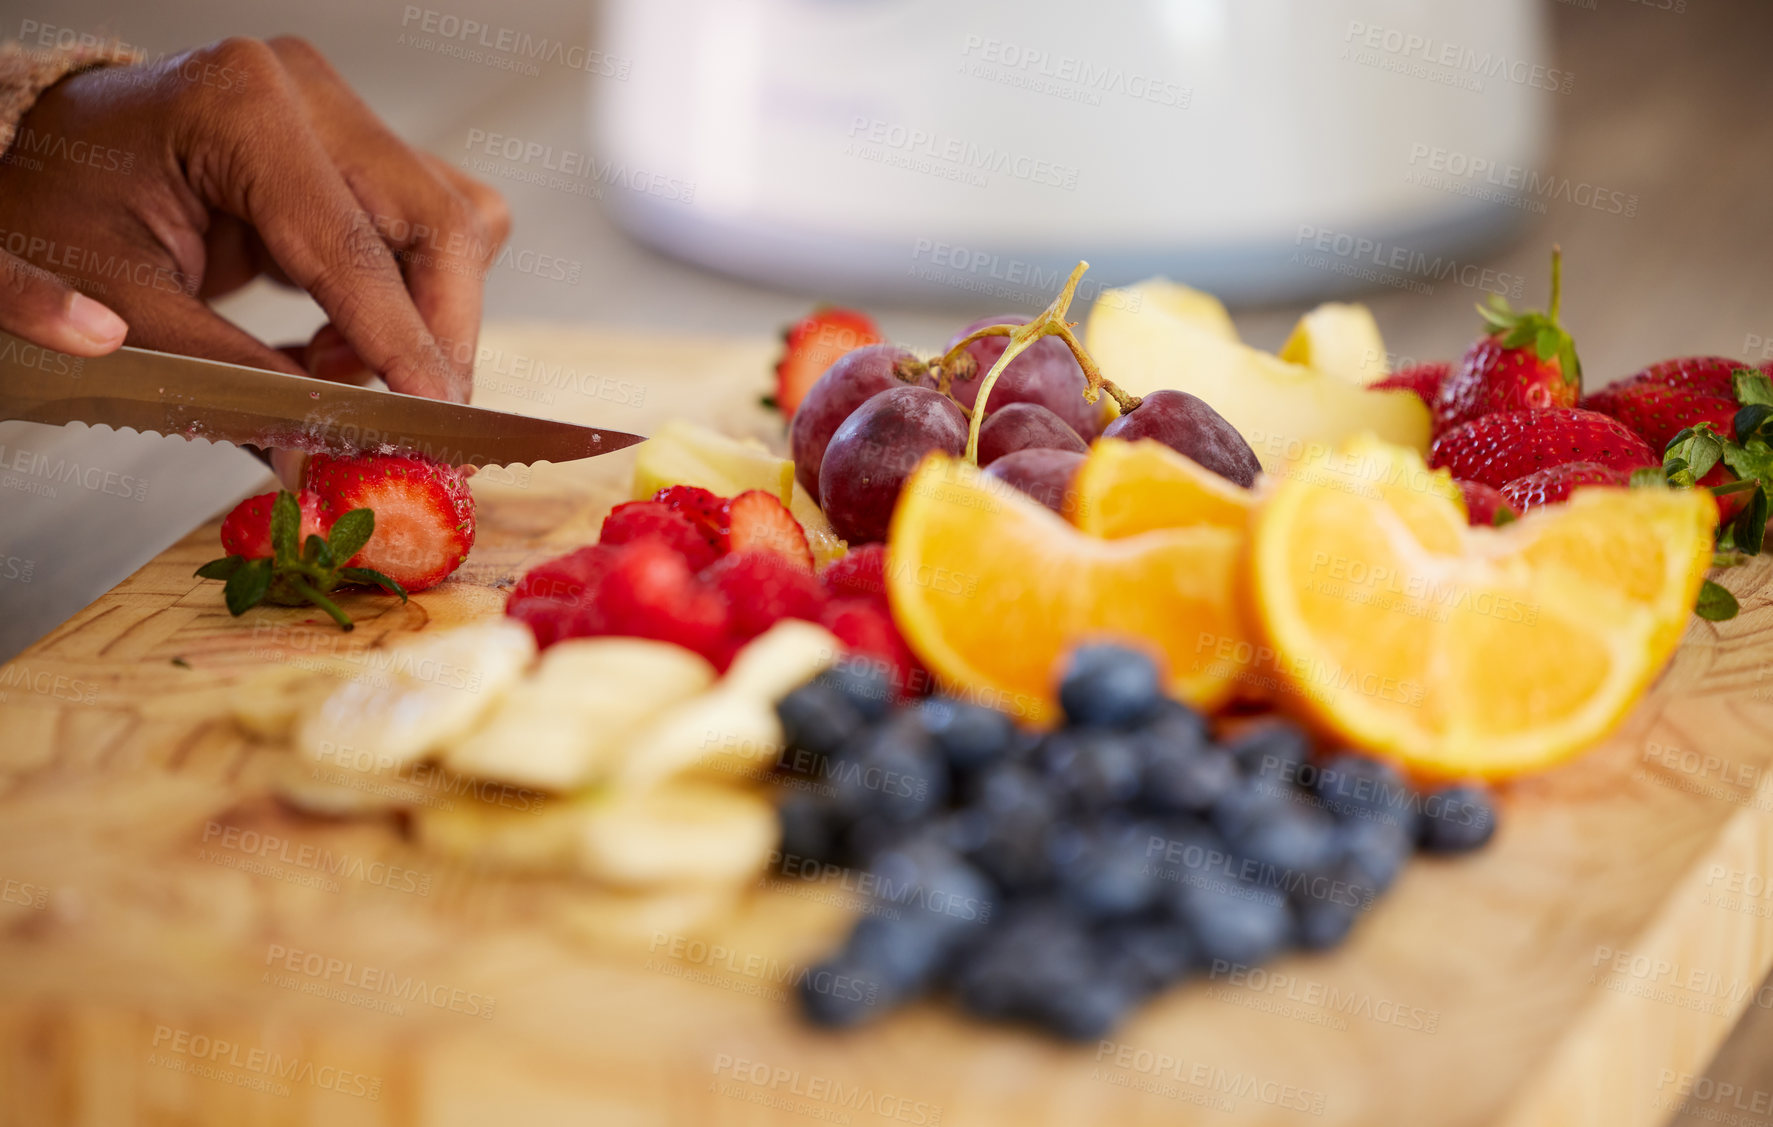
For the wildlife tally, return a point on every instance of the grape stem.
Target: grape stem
(1050, 322)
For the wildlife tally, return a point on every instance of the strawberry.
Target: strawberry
(762, 588)
(1496, 449)
(1704, 375)
(246, 531)
(1484, 505)
(424, 512)
(1423, 379)
(1659, 412)
(557, 599)
(757, 522)
(277, 554)
(865, 627)
(861, 573)
(814, 343)
(706, 511)
(649, 592)
(643, 520)
(1555, 483)
(1526, 361)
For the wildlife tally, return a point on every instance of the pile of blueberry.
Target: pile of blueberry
(1058, 878)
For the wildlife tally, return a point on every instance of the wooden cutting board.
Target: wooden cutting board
(177, 948)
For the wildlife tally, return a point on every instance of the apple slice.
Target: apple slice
(1339, 339)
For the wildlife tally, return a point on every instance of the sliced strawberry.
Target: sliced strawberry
(762, 588)
(558, 599)
(814, 343)
(865, 627)
(861, 573)
(1423, 379)
(1556, 483)
(246, 531)
(424, 512)
(757, 522)
(649, 592)
(1485, 505)
(644, 520)
(706, 511)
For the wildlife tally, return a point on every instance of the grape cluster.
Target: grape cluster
(1058, 878)
(875, 413)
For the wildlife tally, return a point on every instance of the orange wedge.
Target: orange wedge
(1469, 651)
(992, 590)
(1125, 488)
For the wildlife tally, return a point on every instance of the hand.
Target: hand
(232, 160)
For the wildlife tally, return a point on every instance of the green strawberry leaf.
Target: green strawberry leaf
(350, 533)
(1674, 469)
(1648, 477)
(1519, 335)
(1751, 459)
(317, 552)
(1748, 420)
(1705, 448)
(1715, 603)
(375, 578)
(1547, 342)
(1751, 523)
(1752, 388)
(220, 569)
(247, 586)
(286, 525)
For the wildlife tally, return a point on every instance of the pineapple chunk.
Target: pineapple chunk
(685, 453)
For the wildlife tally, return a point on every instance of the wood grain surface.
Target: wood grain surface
(1580, 970)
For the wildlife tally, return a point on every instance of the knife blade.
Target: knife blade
(168, 394)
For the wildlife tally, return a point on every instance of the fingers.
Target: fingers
(274, 173)
(37, 306)
(446, 228)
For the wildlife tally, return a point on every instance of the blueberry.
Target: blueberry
(1321, 923)
(1297, 840)
(1016, 807)
(1241, 809)
(818, 719)
(1456, 819)
(1374, 852)
(1273, 749)
(1035, 949)
(921, 877)
(1088, 1007)
(1109, 686)
(900, 953)
(892, 771)
(839, 995)
(863, 684)
(811, 826)
(1152, 954)
(1185, 781)
(1103, 871)
(1092, 768)
(1174, 724)
(1354, 786)
(1233, 921)
(970, 735)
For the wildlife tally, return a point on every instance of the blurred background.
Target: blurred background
(717, 166)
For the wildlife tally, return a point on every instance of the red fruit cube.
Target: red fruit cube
(859, 574)
(643, 520)
(650, 592)
(865, 627)
(762, 588)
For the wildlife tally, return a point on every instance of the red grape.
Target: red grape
(1188, 426)
(1044, 475)
(1045, 373)
(1024, 426)
(874, 451)
(856, 377)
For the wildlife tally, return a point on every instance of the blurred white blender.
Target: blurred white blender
(931, 150)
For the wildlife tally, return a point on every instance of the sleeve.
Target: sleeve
(26, 73)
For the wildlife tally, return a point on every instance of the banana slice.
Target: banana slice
(781, 659)
(684, 833)
(331, 792)
(266, 704)
(561, 727)
(541, 838)
(731, 735)
(436, 686)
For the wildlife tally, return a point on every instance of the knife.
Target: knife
(181, 395)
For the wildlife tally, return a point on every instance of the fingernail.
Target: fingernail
(94, 322)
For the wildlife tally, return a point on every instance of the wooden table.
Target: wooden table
(160, 960)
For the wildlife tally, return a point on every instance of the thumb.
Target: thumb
(37, 306)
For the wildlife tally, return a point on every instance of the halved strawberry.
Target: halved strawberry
(813, 344)
(757, 522)
(424, 512)
(246, 531)
(705, 510)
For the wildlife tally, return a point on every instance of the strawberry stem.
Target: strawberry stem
(302, 588)
(1557, 282)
